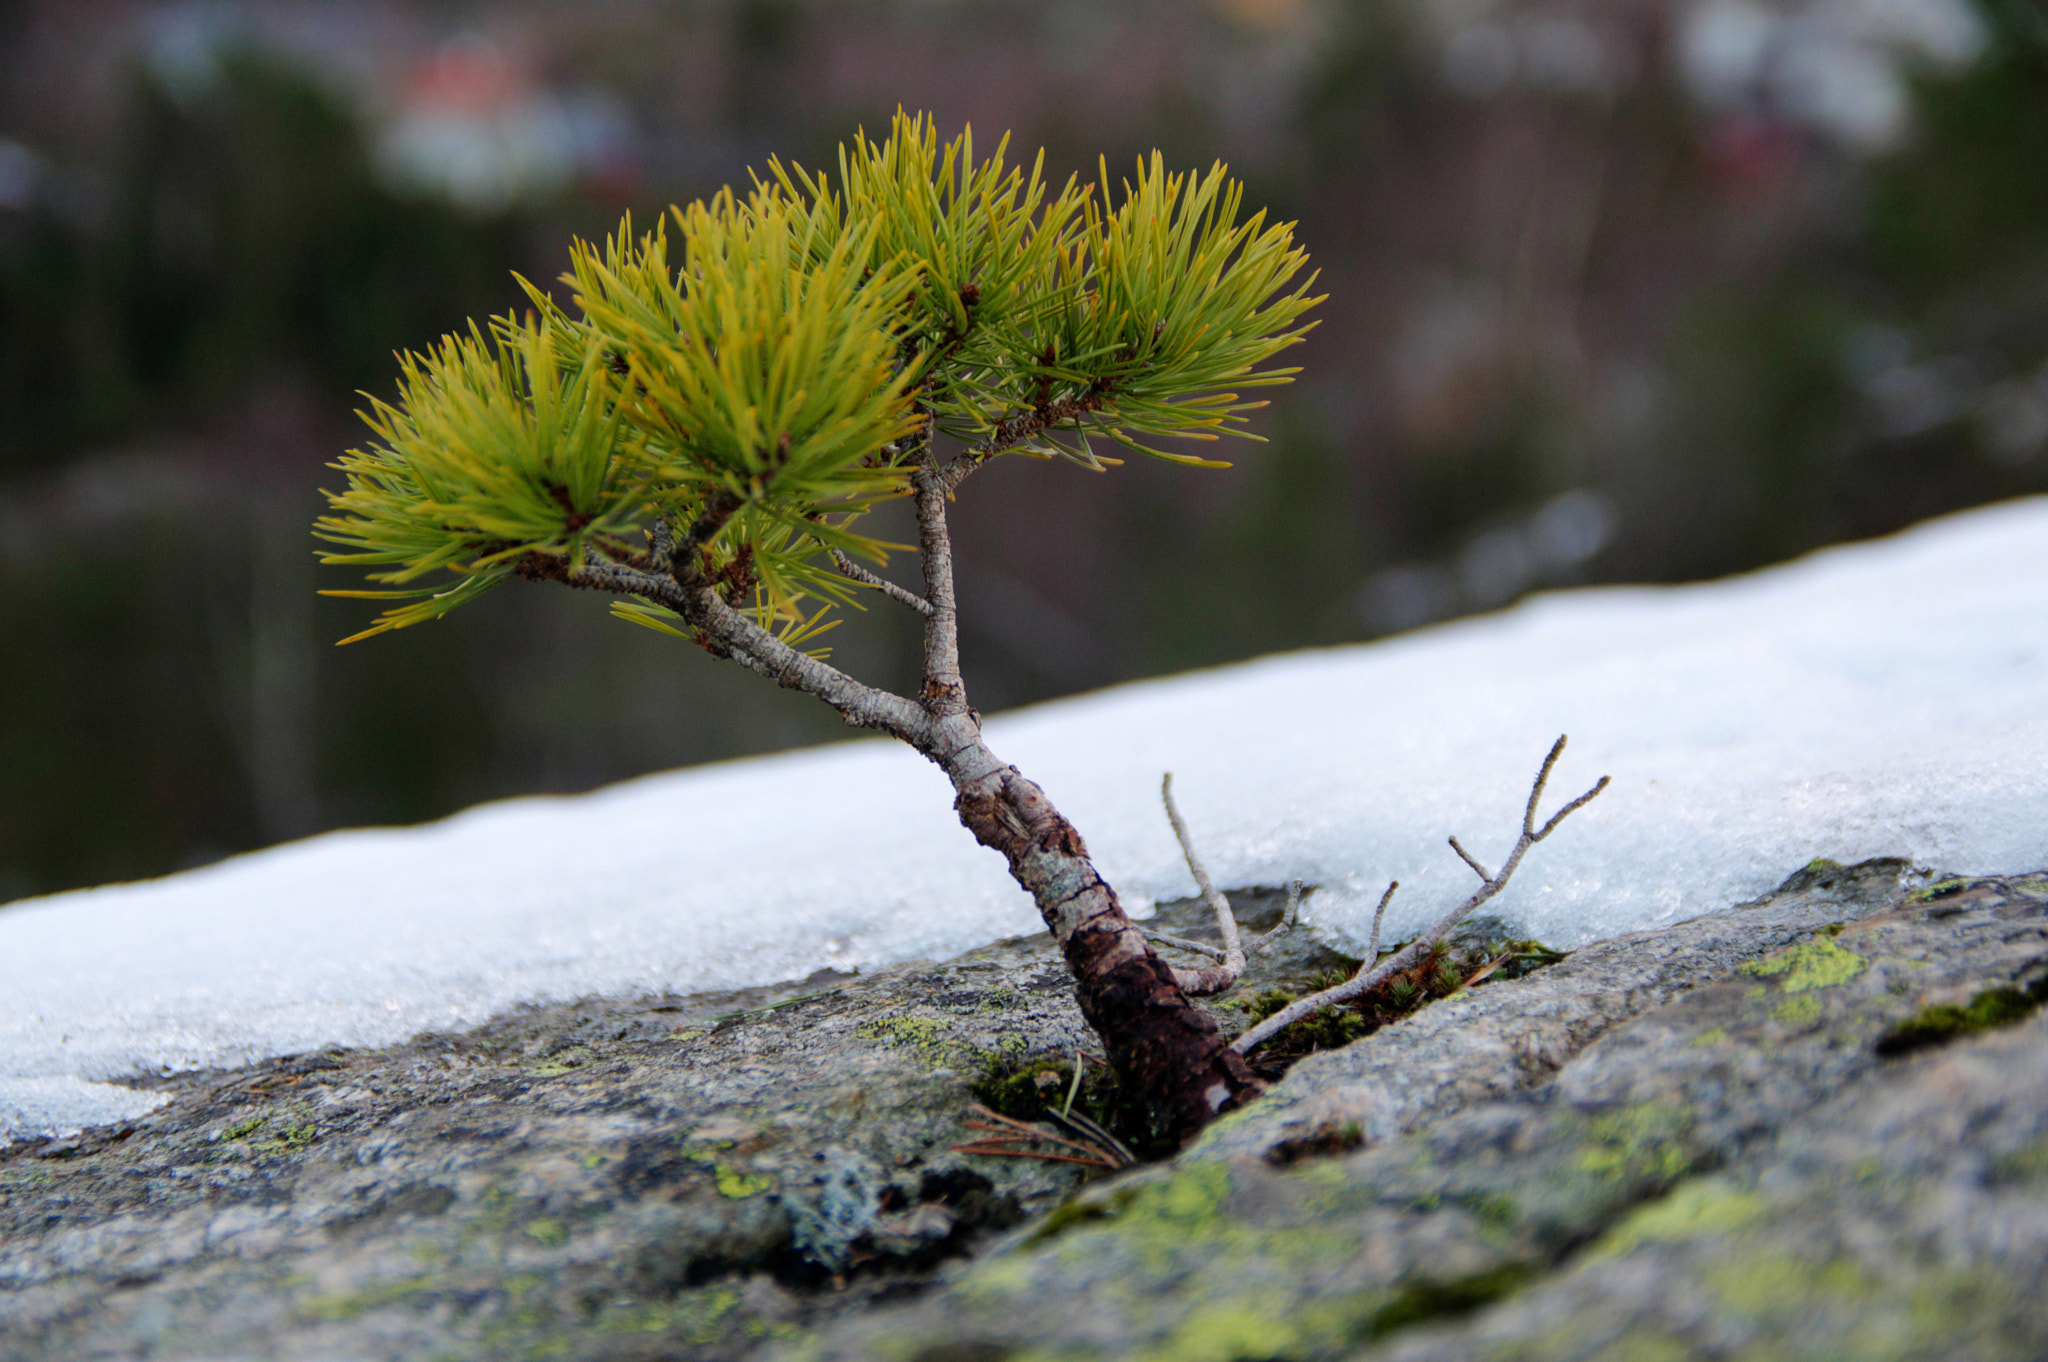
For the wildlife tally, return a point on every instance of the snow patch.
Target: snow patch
(1884, 698)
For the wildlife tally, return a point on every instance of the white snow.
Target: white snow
(1878, 699)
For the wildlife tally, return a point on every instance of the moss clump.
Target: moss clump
(1438, 973)
(1034, 1087)
(1944, 1022)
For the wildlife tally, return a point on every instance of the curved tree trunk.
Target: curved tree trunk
(1167, 1049)
(1159, 1041)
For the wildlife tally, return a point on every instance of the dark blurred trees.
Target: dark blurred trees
(1584, 327)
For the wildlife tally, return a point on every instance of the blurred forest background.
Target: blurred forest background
(1620, 290)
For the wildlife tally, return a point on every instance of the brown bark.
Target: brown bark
(1162, 1044)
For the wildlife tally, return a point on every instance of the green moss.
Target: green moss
(1940, 889)
(1693, 1210)
(1944, 1022)
(1711, 1036)
(1438, 973)
(1030, 1088)
(1809, 965)
(548, 1232)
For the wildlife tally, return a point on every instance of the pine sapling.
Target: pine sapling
(700, 432)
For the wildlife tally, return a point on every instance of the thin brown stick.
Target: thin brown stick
(1372, 943)
(992, 1149)
(1370, 974)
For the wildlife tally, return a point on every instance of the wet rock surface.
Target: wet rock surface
(1816, 1125)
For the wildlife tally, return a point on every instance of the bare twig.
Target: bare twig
(1215, 978)
(730, 633)
(1371, 974)
(1372, 943)
(1289, 914)
(1181, 943)
(849, 568)
(1481, 871)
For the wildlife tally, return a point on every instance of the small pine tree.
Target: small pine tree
(736, 388)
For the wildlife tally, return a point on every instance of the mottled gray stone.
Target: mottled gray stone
(1729, 1168)
(1680, 1144)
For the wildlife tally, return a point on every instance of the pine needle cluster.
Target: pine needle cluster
(745, 380)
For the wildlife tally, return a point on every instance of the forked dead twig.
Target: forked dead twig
(1230, 956)
(1371, 972)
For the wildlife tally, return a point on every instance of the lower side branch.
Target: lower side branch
(1370, 972)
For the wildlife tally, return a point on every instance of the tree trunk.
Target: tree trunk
(1161, 1043)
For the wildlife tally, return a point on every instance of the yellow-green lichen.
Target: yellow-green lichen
(347, 1305)
(926, 1037)
(1804, 1010)
(1770, 1283)
(547, 1232)
(694, 1317)
(1645, 1140)
(1809, 965)
(561, 1062)
(1693, 1210)
(1228, 1333)
(732, 1182)
(1713, 1035)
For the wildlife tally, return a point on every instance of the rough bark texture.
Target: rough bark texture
(1162, 1043)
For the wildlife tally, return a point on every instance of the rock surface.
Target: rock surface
(1728, 1139)
(1687, 1144)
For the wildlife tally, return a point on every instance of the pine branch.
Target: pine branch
(944, 694)
(1019, 427)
